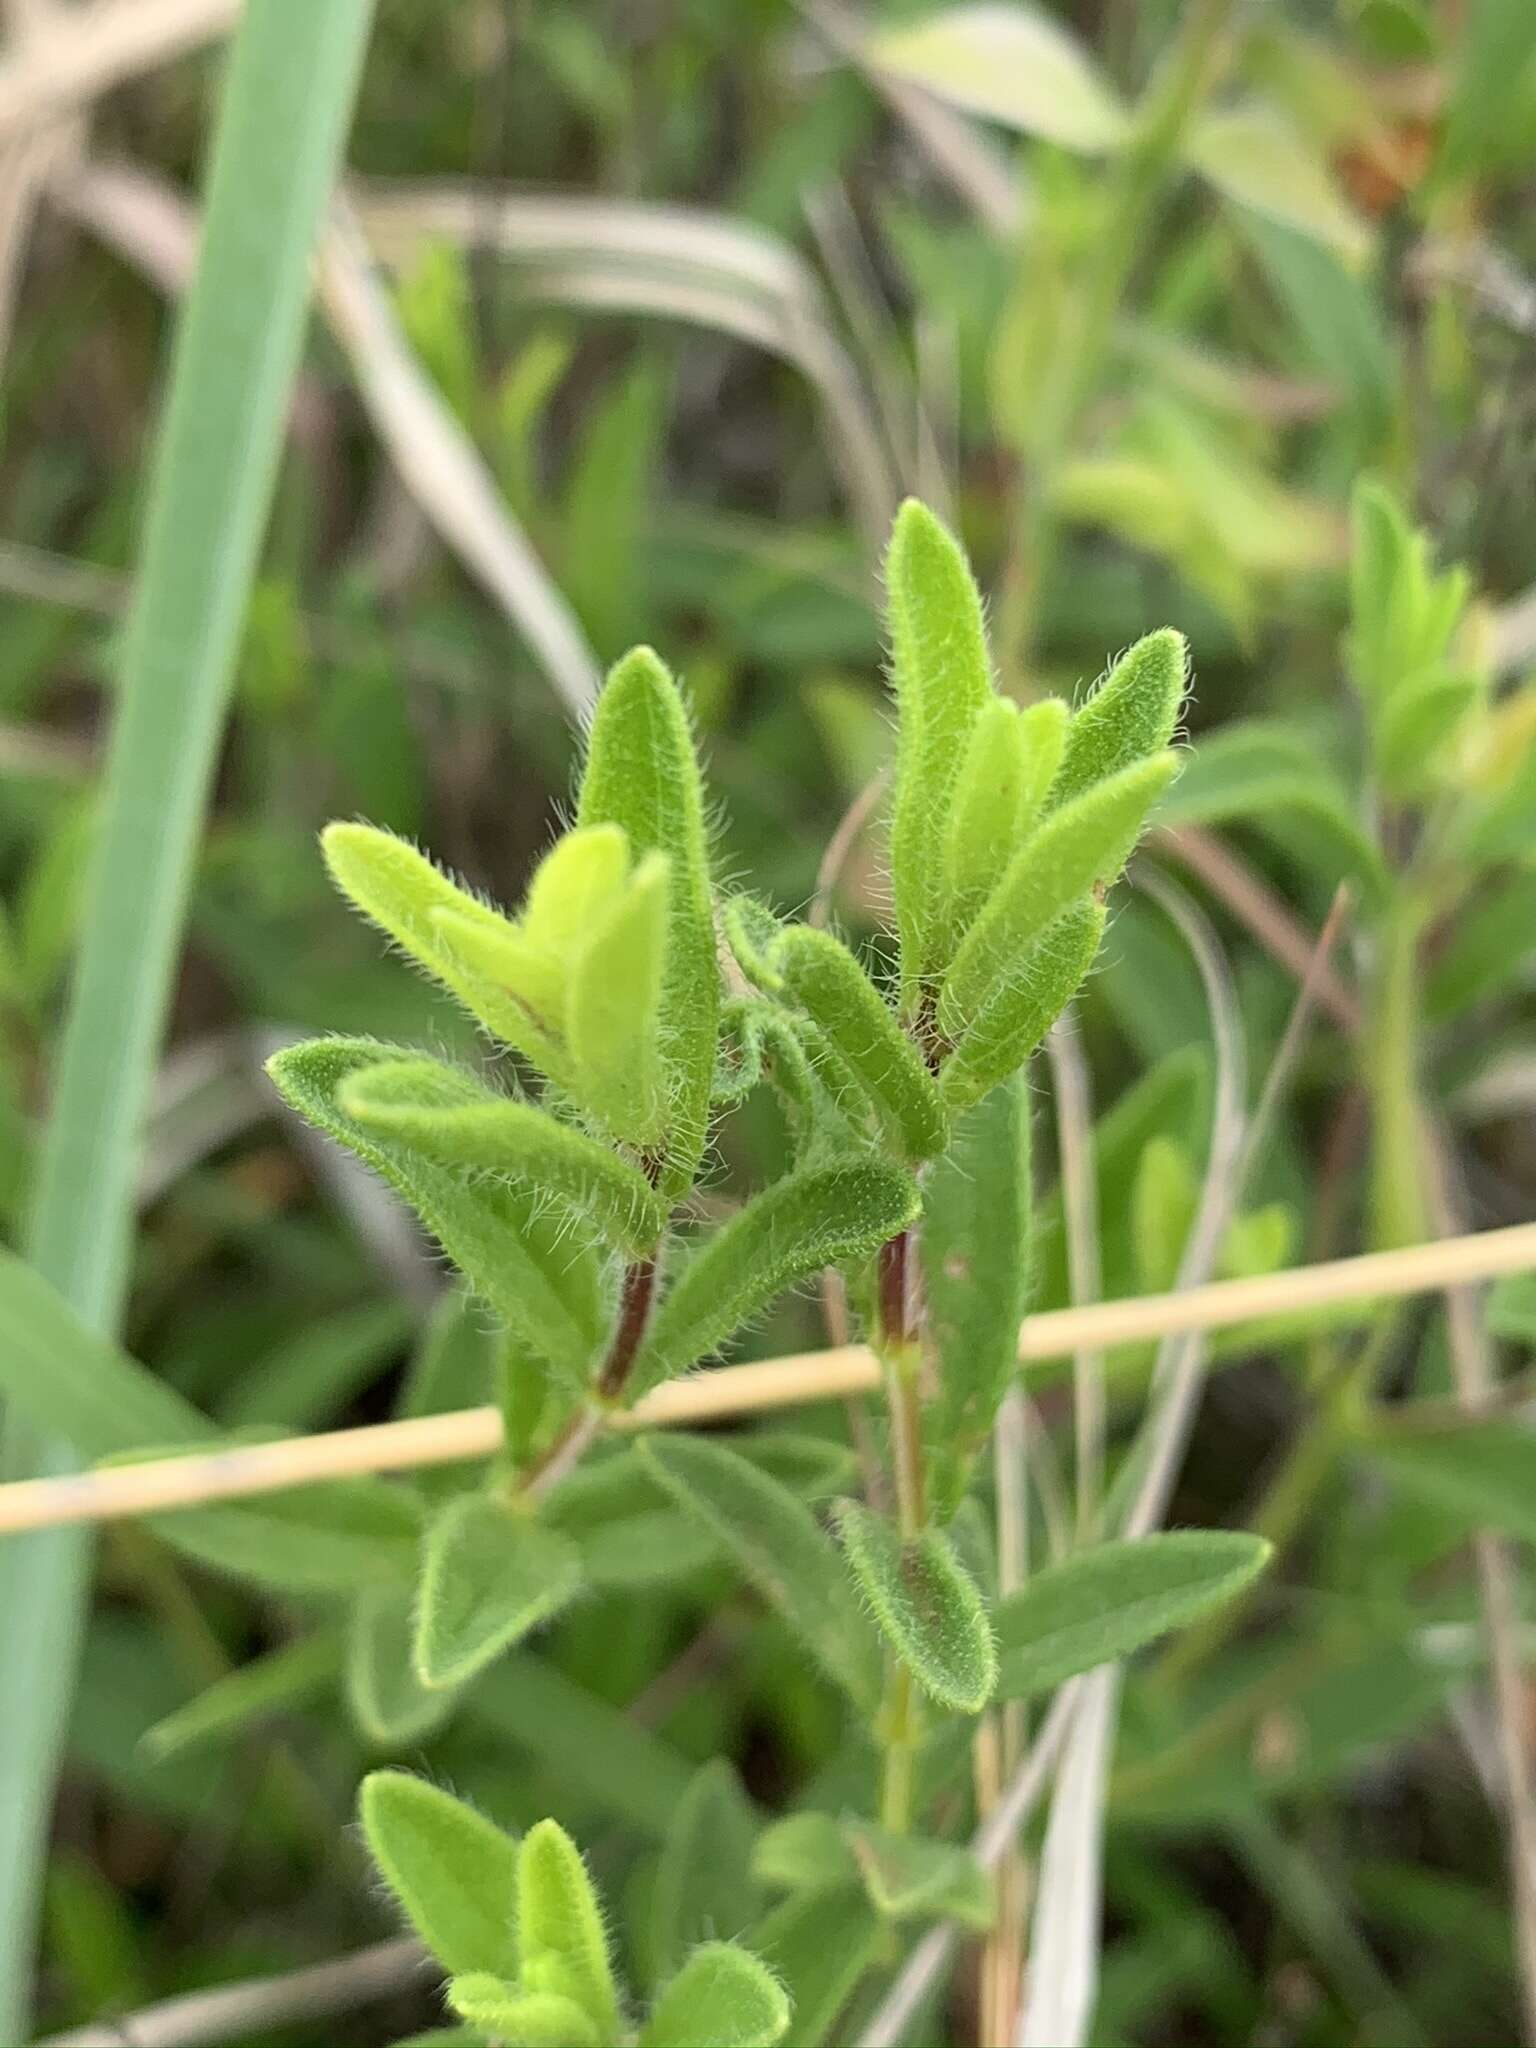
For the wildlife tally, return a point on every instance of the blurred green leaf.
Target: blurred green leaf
(778, 1544)
(1106, 1602)
(1011, 63)
(489, 1575)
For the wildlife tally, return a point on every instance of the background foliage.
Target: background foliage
(635, 325)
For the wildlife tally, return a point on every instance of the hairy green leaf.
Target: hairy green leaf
(704, 1884)
(390, 1705)
(1080, 846)
(820, 1216)
(722, 1997)
(1018, 1014)
(430, 917)
(560, 1928)
(454, 1873)
(753, 932)
(1009, 766)
(489, 1574)
(1104, 1603)
(613, 1014)
(514, 1247)
(447, 1117)
(1129, 716)
(975, 1251)
(824, 978)
(926, 1605)
(642, 774)
(942, 680)
(523, 2019)
(780, 1547)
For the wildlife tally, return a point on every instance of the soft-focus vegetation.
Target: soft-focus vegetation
(634, 327)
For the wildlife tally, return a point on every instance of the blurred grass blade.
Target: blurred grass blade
(233, 365)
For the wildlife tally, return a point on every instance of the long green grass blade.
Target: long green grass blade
(286, 105)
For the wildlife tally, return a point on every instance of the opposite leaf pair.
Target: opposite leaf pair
(519, 1931)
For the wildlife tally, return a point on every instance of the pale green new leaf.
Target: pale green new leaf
(1009, 766)
(722, 1997)
(926, 1604)
(642, 774)
(522, 2019)
(975, 1251)
(446, 1116)
(821, 1216)
(1129, 716)
(513, 1246)
(429, 917)
(1017, 1016)
(781, 1548)
(489, 1575)
(614, 1017)
(1013, 63)
(824, 978)
(389, 1704)
(1104, 1603)
(453, 1872)
(1081, 846)
(942, 678)
(560, 1928)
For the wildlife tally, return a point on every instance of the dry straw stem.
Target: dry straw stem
(235, 2010)
(163, 1484)
(98, 47)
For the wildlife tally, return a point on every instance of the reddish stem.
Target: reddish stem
(634, 1311)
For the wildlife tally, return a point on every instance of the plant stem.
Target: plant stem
(635, 1298)
(1399, 1213)
(899, 1734)
(900, 1353)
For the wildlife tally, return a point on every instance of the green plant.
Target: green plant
(643, 1004)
